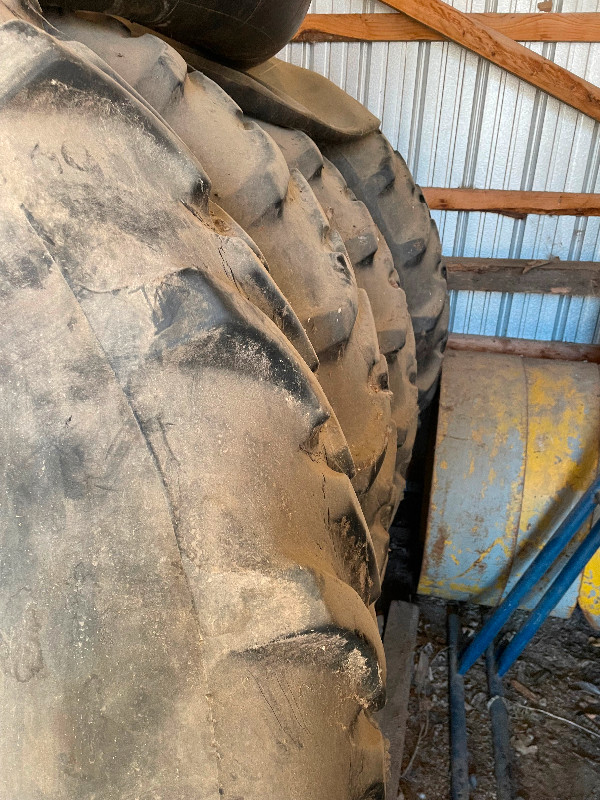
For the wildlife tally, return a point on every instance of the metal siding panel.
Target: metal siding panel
(588, 321)
(526, 316)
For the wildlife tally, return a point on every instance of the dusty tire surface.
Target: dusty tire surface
(284, 94)
(376, 274)
(187, 574)
(275, 204)
(379, 177)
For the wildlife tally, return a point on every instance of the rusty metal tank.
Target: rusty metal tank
(517, 444)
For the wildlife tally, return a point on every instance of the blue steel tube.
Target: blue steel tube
(459, 756)
(536, 570)
(550, 598)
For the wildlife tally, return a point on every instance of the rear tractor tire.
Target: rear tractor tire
(187, 573)
(211, 380)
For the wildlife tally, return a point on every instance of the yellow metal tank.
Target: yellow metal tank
(517, 444)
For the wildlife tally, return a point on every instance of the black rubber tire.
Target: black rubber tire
(186, 572)
(287, 95)
(239, 32)
(376, 274)
(379, 177)
(278, 209)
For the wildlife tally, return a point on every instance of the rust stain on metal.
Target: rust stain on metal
(439, 545)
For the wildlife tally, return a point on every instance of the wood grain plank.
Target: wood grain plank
(579, 278)
(563, 351)
(399, 643)
(504, 52)
(397, 27)
(513, 203)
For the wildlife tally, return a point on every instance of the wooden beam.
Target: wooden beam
(563, 351)
(504, 52)
(514, 203)
(399, 643)
(581, 278)
(397, 27)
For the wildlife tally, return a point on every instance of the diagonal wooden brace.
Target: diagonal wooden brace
(504, 52)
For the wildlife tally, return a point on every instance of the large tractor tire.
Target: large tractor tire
(380, 178)
(286, 95)
(187, 575)
(374, 269)
(196, 525)
(239, 32)
(376, 274)
(305, 251)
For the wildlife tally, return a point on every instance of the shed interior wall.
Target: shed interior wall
(460, 121)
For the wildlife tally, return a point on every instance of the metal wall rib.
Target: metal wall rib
(462, 122)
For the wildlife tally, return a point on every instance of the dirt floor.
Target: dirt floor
(558, 674)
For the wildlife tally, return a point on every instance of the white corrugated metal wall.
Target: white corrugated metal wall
(462, 122)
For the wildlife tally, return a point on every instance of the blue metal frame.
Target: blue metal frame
(551, 597)
(498, 664)
(536, 570)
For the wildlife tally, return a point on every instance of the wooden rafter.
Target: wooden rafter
(552, 276)
(397, 27)
(504, 52)
(514, 203)
(528, 348)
